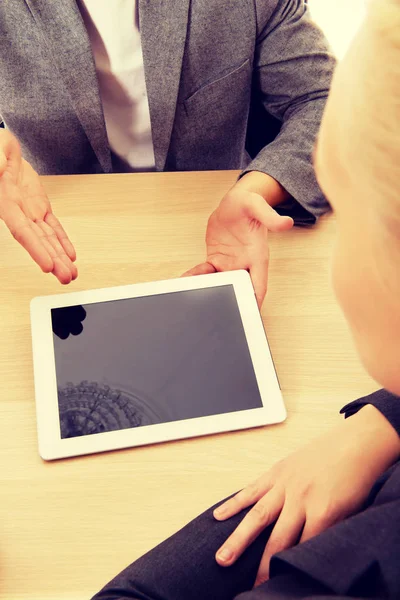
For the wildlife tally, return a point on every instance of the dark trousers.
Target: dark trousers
(184, 568)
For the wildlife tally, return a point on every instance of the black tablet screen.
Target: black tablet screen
(153, 359)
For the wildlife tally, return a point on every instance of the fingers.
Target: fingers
(259, 278)
(285, 534)
(27, 213)
(315, 526)
(202, 269)
(263, 513)
(64, 269)
(22, 231)
(243, 499)
(63, 238)
(46, 226)
(259, 209)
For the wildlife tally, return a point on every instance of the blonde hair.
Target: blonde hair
(381, 110)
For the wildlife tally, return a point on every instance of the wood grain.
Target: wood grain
(69, 526)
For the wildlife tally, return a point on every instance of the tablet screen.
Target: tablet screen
(153, 359)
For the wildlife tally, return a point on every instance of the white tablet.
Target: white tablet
(150, 362)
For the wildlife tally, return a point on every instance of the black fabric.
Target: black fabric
(357, 558)
(386, 402)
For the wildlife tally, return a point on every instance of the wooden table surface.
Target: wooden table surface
(67, 527)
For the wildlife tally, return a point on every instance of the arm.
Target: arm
(264, 185)
(384, 438)
(319, 485)
(292, 74)
(293, 69)
(385, 403)
(183, 566)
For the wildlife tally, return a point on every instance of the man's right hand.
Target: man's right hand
(26, 210)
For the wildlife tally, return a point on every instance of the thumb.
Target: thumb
(263, 212)
(202, 269)
(259, 278)
(3, 162)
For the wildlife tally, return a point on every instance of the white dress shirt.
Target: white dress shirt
(113, 30)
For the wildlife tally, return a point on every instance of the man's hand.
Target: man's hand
(314, 488)
(26, 210)
(237, 232)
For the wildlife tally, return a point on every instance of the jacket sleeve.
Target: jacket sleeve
(388, 404)
(292, 75)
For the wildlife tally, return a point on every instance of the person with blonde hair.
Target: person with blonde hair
(324, 522)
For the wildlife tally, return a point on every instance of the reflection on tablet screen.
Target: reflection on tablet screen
(153, 359)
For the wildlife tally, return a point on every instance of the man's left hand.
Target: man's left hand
(237, 237)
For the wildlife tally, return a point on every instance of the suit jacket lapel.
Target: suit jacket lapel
(163, 27)
(65, 34)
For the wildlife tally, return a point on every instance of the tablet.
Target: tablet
(150, 362)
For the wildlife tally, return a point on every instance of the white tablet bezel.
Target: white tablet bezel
(52, 446)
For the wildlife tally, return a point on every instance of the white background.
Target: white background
(339, 19)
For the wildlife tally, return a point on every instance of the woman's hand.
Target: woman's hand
(26, 210)
(317, 486)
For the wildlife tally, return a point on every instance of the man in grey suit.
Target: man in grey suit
(223, 85)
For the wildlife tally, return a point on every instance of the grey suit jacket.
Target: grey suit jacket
(223, 77)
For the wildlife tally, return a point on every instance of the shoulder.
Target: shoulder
(275, 11)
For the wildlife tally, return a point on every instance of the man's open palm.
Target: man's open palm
(237, 237)
(26, 210)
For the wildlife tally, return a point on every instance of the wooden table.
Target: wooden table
(69, 526)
